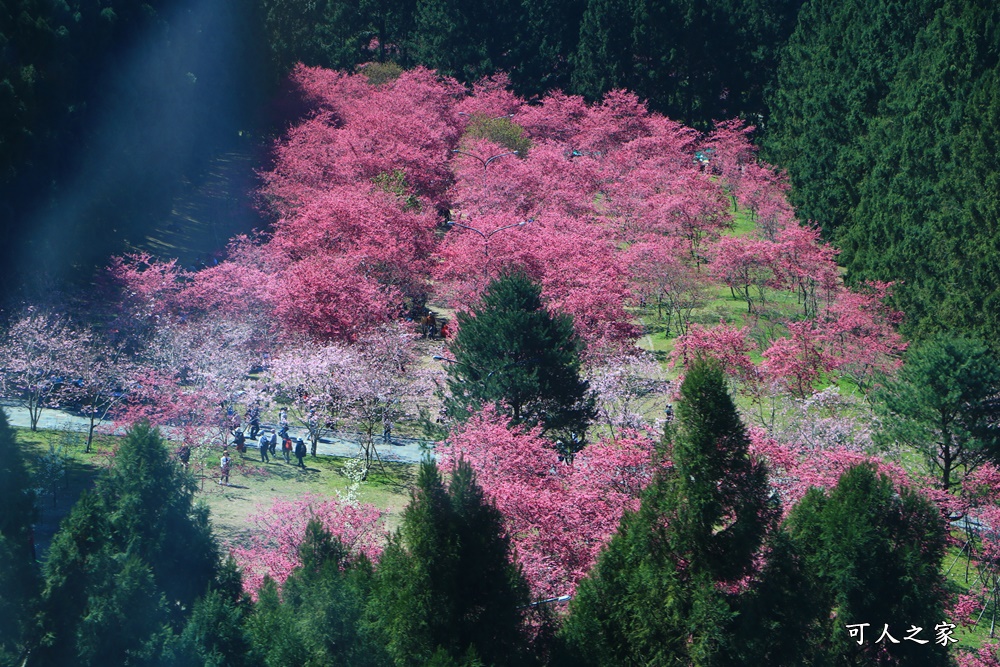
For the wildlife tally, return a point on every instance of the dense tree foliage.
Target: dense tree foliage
(834, 74)
(693, 61)
(665, 590)
(511, 352)
(885, 117)
(550, 507)
(930, 199)
(317, 619)
(18, 572)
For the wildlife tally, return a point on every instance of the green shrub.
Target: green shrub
(502, 131)
(379, 73)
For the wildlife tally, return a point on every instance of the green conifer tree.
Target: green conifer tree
(510, 350)
(18, 573)
(445, 589)
(875, 556)
(943, 403)
(657, 594)
(128, 563)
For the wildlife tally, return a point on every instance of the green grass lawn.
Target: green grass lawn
(253, 485)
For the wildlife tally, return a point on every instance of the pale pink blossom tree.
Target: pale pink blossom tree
(43, 355)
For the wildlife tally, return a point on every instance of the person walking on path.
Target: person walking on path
(286, 447)
(264, 442)
(386, 430)
(273, 445)
(300, 452)
(226, 464)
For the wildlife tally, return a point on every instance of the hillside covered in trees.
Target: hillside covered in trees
(883, 113)
(697, 303)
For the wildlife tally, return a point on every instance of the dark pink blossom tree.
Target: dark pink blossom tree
(557, 516)
(273, 548)
(662, 275)
(748, 267)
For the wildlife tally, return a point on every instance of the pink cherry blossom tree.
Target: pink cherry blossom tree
(748, 267)
(558, 516)
(42, 356)
(272, 549)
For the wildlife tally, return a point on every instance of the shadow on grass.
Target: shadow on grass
(56, 501)
(397, 478)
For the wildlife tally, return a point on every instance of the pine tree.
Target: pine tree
(128, 563)
(658, 593)
(445, 588)
(875, 555)
(510, 350)
(18, 573)
(943, 403)
(320, 610)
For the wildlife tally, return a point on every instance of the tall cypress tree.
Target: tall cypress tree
(18, 573)
(445, 588)
(510, 350)
(657, 594)
(215, 634)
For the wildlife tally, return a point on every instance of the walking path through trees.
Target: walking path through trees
(338, 443)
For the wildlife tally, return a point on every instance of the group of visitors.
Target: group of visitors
(430, 327)
(267, 439)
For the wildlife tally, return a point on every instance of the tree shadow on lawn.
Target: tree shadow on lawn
(55, 503)
(398, 477)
